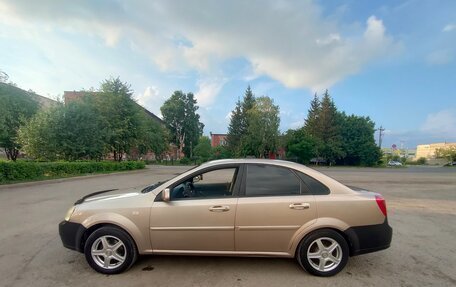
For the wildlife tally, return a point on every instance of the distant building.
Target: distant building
(70, 96)
(218, 140)
(428, 151)
(42, 101)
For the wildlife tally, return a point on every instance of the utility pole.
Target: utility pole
(380, 135)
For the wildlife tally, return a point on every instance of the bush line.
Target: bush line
(26, 170)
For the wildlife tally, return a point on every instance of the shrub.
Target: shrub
(28, 170)
(185, 161)
(421, 160)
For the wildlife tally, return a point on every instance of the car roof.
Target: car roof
(283, 163)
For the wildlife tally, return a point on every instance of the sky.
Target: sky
(394, 61)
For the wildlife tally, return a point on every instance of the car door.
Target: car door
(200, 215)
(272, 206)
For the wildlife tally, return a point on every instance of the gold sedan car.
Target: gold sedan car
(245, 207)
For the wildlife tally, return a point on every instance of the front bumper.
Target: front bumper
(71, 235)
(369, 238)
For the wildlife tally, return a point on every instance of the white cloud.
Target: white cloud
(449, 28)
(228, 116)
(151, 100)
(441, 124)
(297, 124)
(440, 57)
(330, 39)
(208, 90)
(289, 41)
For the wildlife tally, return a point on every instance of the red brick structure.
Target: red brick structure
(218, 139)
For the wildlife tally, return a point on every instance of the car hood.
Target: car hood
(110, 194)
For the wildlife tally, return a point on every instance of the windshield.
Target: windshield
(153, 186)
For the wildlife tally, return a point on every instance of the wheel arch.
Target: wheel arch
(325, 223)
(95, 227)
(347, 238)
(91, 224)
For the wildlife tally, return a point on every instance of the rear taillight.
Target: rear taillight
(381, 204)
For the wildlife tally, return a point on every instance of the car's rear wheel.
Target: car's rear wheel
(110, 250)
(323, 253)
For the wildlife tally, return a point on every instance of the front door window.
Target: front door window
(212, 184)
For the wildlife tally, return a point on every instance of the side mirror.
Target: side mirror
(166, 195)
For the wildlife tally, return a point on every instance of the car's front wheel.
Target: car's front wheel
(323, 253)
(110, 250)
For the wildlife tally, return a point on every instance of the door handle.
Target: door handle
(300, 206)
(219, 208)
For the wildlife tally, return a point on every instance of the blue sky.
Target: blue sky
(394, 61)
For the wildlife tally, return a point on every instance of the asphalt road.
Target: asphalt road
(421, 205)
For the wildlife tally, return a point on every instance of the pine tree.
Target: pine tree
(311, 124)
(330, 129)
(235, 129)
(239, 125)
(247, 104)
(249, 100)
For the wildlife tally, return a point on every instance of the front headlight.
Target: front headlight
(69, 213)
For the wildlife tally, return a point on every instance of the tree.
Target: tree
(39, 136)
(203, 149)
(263, 128)
(311, 123)
(329, 130)
(448, 152)
(235, 129)
(239, 125)
(313, 129)
(181, 118)
(17, 107)
(152, 137)
(80, 130)
(120, 116)
(249, 101)
(301, 145)
(192, 126)
(358, 141)
(65, 132)
(220, 152)
(93, 125)
(3, 77)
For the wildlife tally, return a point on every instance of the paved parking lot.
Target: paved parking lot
(421, 205)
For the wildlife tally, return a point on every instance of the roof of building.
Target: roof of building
(212, 134)
(72, 95)
(42, 101)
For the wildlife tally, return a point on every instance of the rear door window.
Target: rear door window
(267, 180)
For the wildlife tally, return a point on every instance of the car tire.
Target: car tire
(110, 250)
(323, 253)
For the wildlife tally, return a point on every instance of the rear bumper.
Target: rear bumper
(369, 238)
(71, 235)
